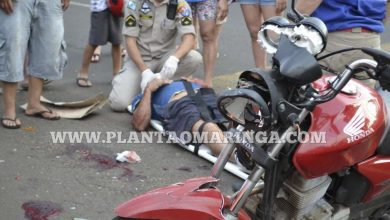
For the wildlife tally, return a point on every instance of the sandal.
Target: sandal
(86, 81)
(16, 126)
(95, 58)
(41, 114)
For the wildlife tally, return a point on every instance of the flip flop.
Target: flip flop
(41, 114)
(85, 80)
(16, 126)
(95, 58)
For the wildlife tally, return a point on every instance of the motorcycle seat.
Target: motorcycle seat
(384, 144)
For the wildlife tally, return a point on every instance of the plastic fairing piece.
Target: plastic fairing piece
(193, 199)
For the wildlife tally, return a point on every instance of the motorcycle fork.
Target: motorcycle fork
(249, 184)
(224, 156)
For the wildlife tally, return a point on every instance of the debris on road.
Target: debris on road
(128, 156)
(103, 162)
(28, 129)
(74, 110)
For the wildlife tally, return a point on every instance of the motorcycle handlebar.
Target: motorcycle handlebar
(293, 14)
(342, 80)
(293, 17)
(349, 72)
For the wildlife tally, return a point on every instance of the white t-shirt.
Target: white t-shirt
(98, 5)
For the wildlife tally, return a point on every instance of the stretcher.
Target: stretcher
(204, 152)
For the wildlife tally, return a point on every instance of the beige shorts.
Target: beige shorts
(340, 40)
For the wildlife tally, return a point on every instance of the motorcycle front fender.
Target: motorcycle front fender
(191, 199)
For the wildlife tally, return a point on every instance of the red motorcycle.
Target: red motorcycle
(344, 176)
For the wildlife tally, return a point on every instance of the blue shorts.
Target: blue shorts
(35, 28)
(258, 2)
(182, 114)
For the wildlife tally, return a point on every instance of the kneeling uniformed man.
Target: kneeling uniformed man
(151, 28)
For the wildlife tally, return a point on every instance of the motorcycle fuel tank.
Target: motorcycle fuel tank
(348, 130)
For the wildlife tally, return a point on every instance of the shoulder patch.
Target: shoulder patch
(132, 5)
(145, 8)
(130, 21)
(186, 13)
(185, 21)
(184, 10)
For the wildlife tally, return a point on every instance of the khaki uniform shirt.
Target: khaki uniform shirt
(155, 33)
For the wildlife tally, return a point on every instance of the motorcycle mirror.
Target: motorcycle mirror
(245, 107)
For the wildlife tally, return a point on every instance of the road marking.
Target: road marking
(79, 4)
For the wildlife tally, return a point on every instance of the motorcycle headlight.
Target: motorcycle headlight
(270, 30)
(320, 27)
(310, 33)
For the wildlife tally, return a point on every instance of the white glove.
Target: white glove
(169, 68)
(147, 76)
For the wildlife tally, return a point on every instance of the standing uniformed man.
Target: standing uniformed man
(150, 29)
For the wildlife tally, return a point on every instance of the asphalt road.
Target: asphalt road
(81, 180)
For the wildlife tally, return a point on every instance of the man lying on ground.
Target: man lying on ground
(168, 101)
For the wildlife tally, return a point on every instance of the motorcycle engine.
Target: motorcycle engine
(301, 198)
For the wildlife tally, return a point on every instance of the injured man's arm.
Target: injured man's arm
(143, 112)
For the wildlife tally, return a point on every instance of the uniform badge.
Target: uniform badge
(185, 13)
(183, 10)
(145, 8)
(185, 21)
(132, 5)
(130, 21)
(181, 6)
